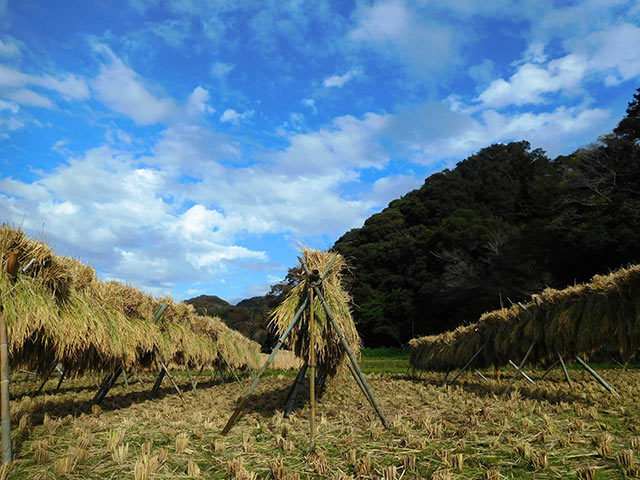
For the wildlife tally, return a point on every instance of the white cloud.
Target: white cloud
(197, 103)
(9, 47)
(231, 116)
(310, 103)
(408, 34)
(386, 189)
(616, 50)
(221, 69)
(11, 106)
(340, 80)
(122, 90)
(13, 85)
(531, 82)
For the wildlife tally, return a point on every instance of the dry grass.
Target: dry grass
(544, 431)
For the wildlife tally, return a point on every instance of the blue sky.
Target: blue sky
(187, 146)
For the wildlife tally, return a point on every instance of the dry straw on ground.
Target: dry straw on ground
(602, 316)
(329, 353)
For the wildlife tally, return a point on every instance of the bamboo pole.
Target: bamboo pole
(45, 380)
(564, 369)
(256, 378)
(359, 383)
(312, 366)
(158, 382)
(600, 380)
(526, 377)
(198, 375)
(519, 370)
(193, 385)
(231, 369)
(549, 369)
(479, 373)
(463, 369)
(291, 399)
(5, 413)
(61, 380)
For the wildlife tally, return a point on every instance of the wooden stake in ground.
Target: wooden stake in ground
(7, 454)
(312, 366)
(600, 380)
(519, 370)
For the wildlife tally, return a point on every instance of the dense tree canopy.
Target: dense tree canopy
(506, 222)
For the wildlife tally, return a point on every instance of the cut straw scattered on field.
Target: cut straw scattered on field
(602, 316)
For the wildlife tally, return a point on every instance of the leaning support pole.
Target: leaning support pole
(463, 369)
(231, 369)
(526, 377)
(156, 385)
(175, 385)
(519, 370)
(549, 369)
(193, 385)
(61, 380)
(291, 399)
(352, 358)
(256, 378)
(564, 369)
(46, 379)
(596, 376)
(357, 380)
(479, 373)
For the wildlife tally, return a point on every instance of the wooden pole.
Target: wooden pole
(198, 375)
(5, 414)
(291, 400)
(193, 385)
(231, 369)
(256, 379)
(463, 369)
(519, 369)
(45, 380)
(312, 366)
(61, 380)
(549, 369)
(479, 373)
(564, 369)
(596, 376)
(156, 385)
(526, 377)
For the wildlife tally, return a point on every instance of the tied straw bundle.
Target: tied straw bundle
(329, 353)
(601, 317)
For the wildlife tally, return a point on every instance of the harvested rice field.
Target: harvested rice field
(467, 431)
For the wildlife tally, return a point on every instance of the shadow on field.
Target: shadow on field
(541, 391)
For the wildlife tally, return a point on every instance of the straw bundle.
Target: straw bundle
(59, 312)
(602, 316)
(329, 353)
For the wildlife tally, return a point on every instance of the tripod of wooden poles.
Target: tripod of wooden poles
(315, 282)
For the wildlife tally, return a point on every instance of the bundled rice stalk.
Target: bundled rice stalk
(59, 312)
(599, 317)
(330, 354)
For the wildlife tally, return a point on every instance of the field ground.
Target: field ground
(469, 431)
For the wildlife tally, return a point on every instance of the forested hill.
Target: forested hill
(505, 223)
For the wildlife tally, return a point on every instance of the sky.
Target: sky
(189, 147)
